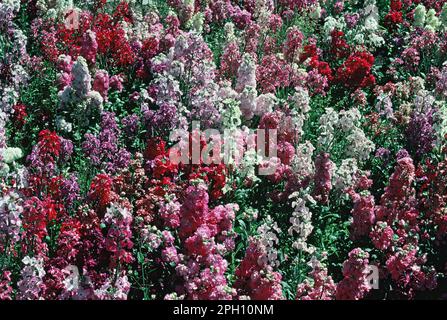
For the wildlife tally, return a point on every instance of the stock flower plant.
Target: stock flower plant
(223, 149)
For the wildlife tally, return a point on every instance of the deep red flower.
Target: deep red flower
(101, 190)
(122, 12)
(155, 147)
(162, 166)
(112, 40)
(151, 47)
(396, 5)
(49, 143)
(393, 18)
(356, 71)
(322, 67)
(309, 51)
(36, 215)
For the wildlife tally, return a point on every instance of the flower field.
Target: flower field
(223, 149)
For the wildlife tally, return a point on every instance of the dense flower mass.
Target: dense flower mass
(223, 149)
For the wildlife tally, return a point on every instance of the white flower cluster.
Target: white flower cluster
(424, 101)
(250, 103)
(78, 99)
(229, 33)
(250, 214)
(384, 105)
(9, 169)
(331, 23)
(302, 163)
(300, 102)
(426, 19)
(247, 168)
(3, 118)
(267, 233)
(345, 124)
(114, 289)
(53, 9)
(115, 211)
(359, 146)
(31, 283)
(345, 175)
(8, 156)
(328, 124)
(443, 16)
(10, 5)
(349, 119)
(10, 213)
(301, 222)
(440, 125)
(367, 32)
(13, 44)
